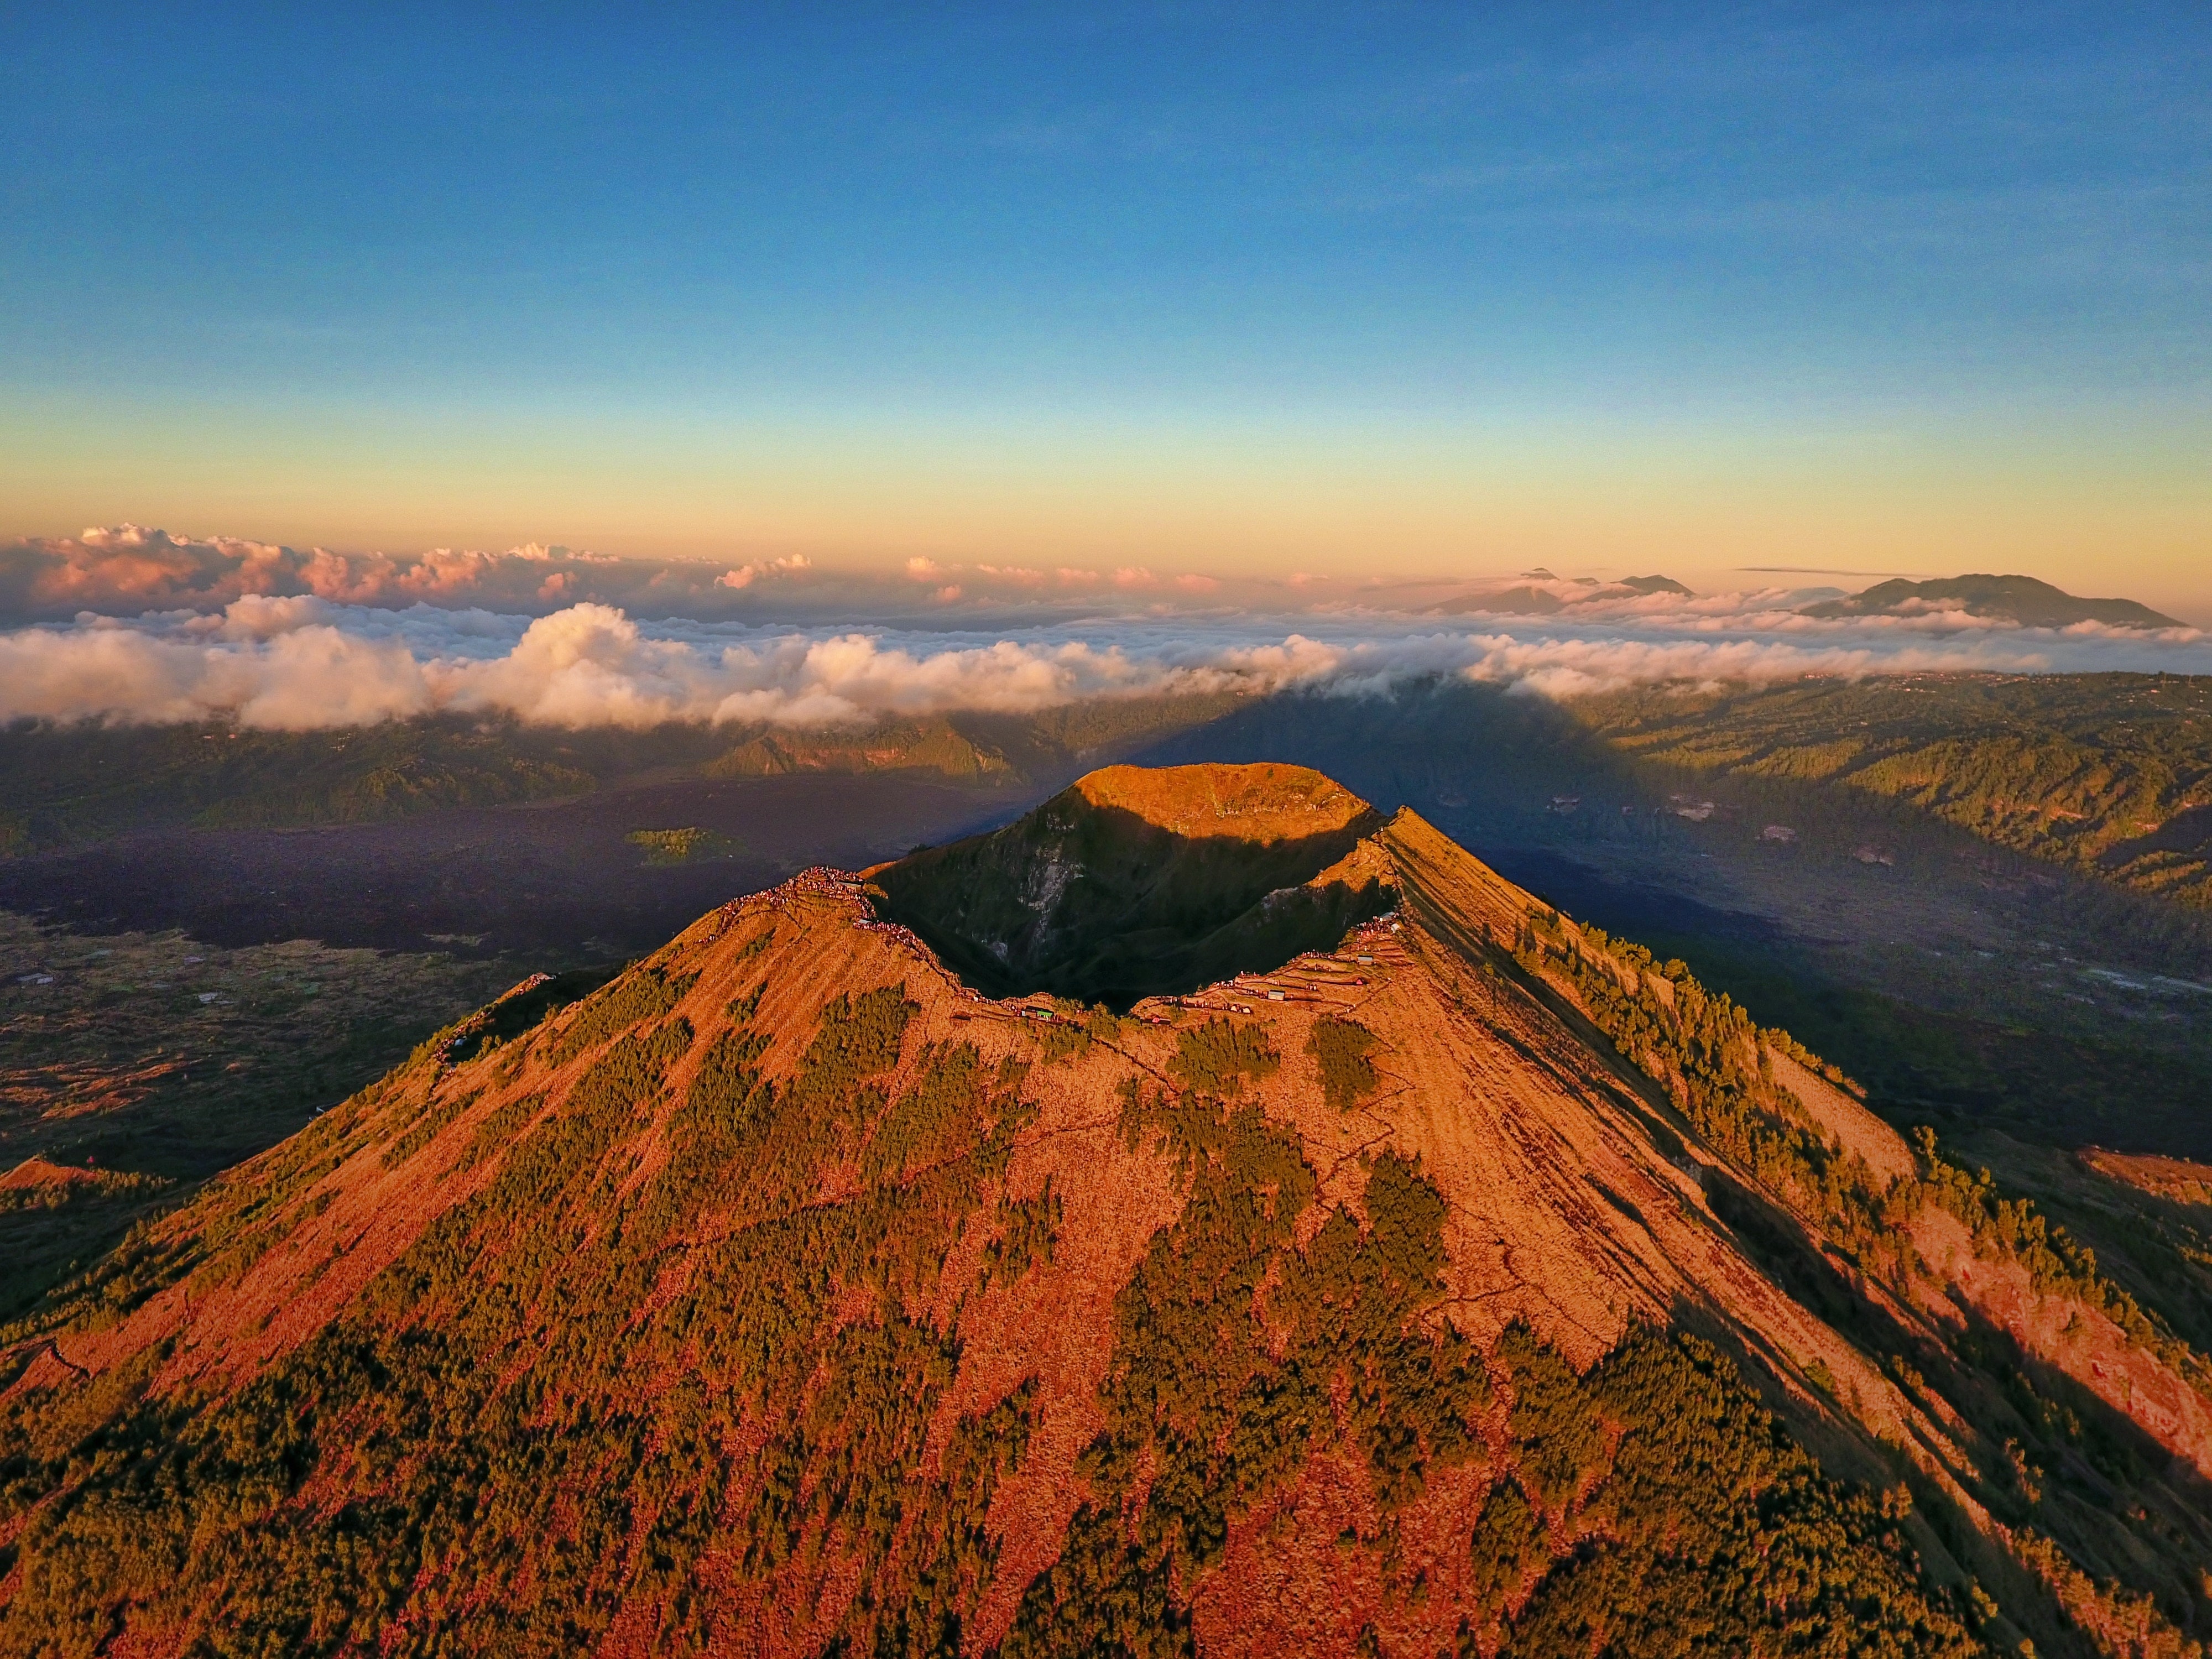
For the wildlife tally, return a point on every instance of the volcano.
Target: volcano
(1205, 1216)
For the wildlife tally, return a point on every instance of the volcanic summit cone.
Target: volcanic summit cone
(1372, 1260)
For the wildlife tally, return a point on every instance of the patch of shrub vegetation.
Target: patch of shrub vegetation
(689, 845)
(436, 1118)
(842, 1465)
(1026, 1229)
(858, 1038)
(941, 1116)
(1218, 1058)
(788, 1136)
(642, 994)
(1340, 1048)
(951, 1557)
(1219, 1415)
(1562, 1438)
(2010, 1230)
(522, 1011)
(629, 1074)
(724, 1091)
(1065, 1038)
(1072, 1030)
(1510, 1542)
(499, 1128)
(84, 1187)
(1721, 1536)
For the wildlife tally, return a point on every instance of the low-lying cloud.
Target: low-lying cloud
(587, 665)
(304, 661)
(128, 569)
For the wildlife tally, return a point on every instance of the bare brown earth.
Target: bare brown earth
(35, 1176)
(1264, 802)
(2174, 1178)
(1580, 1200)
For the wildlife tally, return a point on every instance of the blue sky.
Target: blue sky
(717, 281)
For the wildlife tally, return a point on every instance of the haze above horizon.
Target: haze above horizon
(1203, 289)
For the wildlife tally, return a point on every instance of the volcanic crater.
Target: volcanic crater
(1136, 882)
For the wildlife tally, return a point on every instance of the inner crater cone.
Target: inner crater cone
(1136, 882)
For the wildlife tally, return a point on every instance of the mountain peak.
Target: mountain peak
(1263, 801)
(2022, 599)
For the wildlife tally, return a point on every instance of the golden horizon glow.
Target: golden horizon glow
(2090, 511)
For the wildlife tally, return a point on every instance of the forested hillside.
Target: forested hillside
(2108, 773)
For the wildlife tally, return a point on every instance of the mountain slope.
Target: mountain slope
(2110, 774)
(1472, 1284)
(929, 745)
(2020, 600)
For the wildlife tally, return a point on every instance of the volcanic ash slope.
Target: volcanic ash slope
(1442, 1277)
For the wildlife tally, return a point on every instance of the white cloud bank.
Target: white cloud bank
(302, 662)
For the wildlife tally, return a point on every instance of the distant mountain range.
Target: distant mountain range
(1540, 593)
(68, 784)
(1318, 1245)
(2022, 599)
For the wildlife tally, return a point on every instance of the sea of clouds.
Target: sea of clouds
(166, 628)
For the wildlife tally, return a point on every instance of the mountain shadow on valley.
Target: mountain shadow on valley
(2037, 976)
